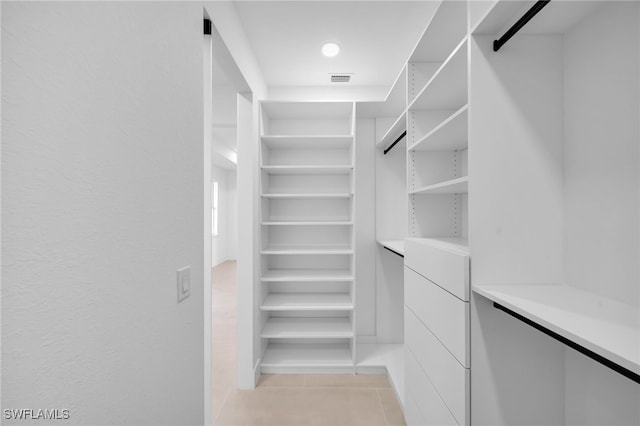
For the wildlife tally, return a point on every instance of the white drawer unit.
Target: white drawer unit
(446, 316)
(444, 262)
(443, 370)
(431, 407)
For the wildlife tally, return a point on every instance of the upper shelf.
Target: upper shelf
(286, 110)
(395, 130)
(607, 327)
(307, 196)
(453, 186)
(447, 89)
(307, 141)
(307, 170)
(443, 32)
(451, 134)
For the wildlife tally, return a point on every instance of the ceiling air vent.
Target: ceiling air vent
(340, 78)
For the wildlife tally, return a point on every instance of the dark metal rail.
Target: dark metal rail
(537, 7)
(573, 345)
(395, 142)
(393, 251)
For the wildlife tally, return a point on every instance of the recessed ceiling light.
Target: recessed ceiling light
(330, 49)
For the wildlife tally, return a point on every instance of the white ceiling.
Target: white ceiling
(376, 38)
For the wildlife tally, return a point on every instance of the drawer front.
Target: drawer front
(446, 374)
(446, 316)
(447, 268)
(431, 407)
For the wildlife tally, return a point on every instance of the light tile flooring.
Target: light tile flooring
(288, 400)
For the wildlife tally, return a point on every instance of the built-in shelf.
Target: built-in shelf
(307, 328)
(396, 246)
(307, 355)
(307, 196)
(447, 89)
(453, 186)
(307, 302)
(455, 244)
(292, 275)
(307, 141)
(287, 249)
(394, 131)
(607, 327)
(308, 170)
(307, 223)
(450, 135)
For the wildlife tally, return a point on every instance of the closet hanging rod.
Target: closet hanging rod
(395, 142)
(573, 345)
(394, 252)
(537, 7)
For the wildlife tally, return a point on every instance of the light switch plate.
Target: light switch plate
(184, 283)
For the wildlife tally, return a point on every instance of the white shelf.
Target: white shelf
(307, 141)
(607, 327)
(307, 223)
(306, 196)
(307, 302)
(453, 186)
(324, 275)
(396, 129)
(450, 135)
(445, 30)
(285, 249)
(296, 110)
(307, 328)
(459, 245)
(307, 355)
(396, 246)
(447, 89)
(308, 170)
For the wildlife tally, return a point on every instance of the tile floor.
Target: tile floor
(288, 400)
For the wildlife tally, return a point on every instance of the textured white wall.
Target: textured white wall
(102, 183)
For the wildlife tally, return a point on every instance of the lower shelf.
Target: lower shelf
(282, 357)
(305, 328)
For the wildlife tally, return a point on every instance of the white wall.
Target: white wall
(601, 188)
(224, 245)
(102, 183)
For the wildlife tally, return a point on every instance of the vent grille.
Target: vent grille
(340, 78)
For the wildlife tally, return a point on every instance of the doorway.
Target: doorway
(228, 113)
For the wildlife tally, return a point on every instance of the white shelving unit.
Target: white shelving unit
(307, 239)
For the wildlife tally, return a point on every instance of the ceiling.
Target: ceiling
(376, 38)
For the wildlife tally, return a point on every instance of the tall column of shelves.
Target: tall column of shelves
(307, 242)
(437, 172)
(436, 256)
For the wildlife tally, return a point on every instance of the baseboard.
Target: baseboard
(256, 371)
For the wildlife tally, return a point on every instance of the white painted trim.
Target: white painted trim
(207, 74)
(257, 371)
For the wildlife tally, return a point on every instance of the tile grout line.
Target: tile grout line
(384, 412)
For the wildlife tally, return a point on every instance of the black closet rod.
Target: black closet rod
(497, 44)
(394, 252)
(395, 142)
(573, 345)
